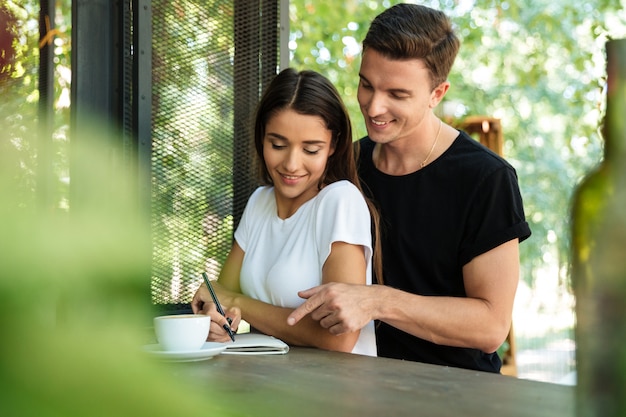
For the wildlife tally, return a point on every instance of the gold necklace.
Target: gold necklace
(423, 164)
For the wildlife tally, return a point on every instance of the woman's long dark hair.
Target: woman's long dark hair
(310, 93)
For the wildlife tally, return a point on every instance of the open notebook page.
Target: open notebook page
(255, 344)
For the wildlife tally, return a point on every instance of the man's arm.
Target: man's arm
(481, 320)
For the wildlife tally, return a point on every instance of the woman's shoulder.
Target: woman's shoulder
(261, 197)
(340, 188)
(262, 192)
(341, 193)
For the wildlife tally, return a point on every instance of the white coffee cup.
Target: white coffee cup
(182, 332)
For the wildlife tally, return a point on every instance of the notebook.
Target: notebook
(256, 344)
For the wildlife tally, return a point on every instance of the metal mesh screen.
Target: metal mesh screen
(208, 67)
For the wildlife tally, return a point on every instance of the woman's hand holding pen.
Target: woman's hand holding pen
(202, 303)
(218, 333)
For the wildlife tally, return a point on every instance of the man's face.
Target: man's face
(394, 96)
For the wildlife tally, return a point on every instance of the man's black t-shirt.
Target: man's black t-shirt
(433, 222)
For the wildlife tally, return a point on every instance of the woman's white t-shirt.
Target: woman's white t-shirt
(284, 256)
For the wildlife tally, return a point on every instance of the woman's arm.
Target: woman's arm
(346, 263)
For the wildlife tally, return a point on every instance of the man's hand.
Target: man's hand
(340, 308)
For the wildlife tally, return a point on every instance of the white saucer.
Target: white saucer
(208, 350)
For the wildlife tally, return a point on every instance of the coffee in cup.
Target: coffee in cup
(182, 332)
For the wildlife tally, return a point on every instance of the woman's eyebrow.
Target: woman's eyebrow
(307, 142)
(276, 136)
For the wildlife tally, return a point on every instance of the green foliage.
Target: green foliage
(18, 76)
(537, 65)
(20, 95)
(73, 310)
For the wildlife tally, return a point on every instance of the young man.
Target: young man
(451, 211)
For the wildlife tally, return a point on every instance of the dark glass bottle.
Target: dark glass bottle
(599, 260)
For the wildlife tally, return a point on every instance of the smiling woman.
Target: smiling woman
(308, 225)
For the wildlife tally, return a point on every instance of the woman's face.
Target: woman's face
(296, 149)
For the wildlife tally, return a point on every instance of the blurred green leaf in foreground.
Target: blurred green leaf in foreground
(74, 300)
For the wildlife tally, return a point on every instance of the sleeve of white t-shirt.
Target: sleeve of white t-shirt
(343, 216)
(242, 233)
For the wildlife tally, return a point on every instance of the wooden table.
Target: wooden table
(312, 382)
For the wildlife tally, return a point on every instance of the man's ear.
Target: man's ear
(438, 94)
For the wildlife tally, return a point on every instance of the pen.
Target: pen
(218, 305)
